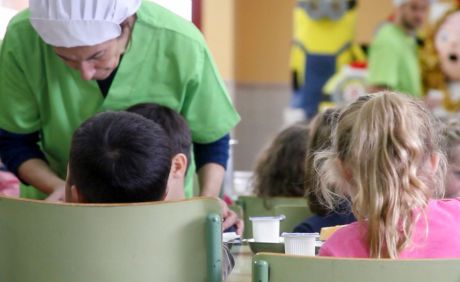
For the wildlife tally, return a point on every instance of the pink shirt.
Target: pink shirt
(442, 241)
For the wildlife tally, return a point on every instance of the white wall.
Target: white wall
(5, 15)
(9, 8)
(181, 7)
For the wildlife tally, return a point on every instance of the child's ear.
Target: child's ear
(434, 162)
(68, 192)
(72, 194)
(344, 171)
(179, 166)
(76, 195)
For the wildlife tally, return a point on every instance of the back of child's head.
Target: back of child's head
(384, 149)
(119, 157)
(320, 139)
(279, 171)
(172, 123)
(451, 133)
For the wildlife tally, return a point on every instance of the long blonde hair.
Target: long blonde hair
(381, 146)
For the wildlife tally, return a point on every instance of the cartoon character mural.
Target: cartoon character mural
(323, 42)
(440, 60)
(347, 85)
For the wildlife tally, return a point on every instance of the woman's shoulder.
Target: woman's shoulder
(154, 16)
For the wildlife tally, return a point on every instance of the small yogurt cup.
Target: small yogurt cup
(266, 228)
(301, 244)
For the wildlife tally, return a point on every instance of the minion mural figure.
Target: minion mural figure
(323, 42)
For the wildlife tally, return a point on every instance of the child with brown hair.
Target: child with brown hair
(279, 171)
(386, 158)
(320, 139)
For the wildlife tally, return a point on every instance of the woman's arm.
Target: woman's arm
(211, 162)
(37, 173)
(21, 155)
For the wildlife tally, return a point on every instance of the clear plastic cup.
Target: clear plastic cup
(301, 244)
(266, 228)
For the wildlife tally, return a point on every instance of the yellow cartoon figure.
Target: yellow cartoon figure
(323, 42)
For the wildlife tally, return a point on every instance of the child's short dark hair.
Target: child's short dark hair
(172, 123)
(120, 157)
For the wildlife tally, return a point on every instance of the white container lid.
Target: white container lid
(267, 218)
(299, 235)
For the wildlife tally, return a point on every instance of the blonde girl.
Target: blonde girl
(386, 158)
(320, 139)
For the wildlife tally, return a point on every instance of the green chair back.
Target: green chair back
(280, 268)
(255, 206)
(48, 242)
(295, 214)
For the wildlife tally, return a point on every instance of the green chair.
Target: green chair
(255, 206)
(269, 267)
(295, 214)
(48, 242)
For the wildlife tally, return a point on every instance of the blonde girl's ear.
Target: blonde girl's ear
(344, 170)
(434, 162)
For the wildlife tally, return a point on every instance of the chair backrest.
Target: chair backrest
(277, 268)
(47, 242)
(295, 214)
(255, 206)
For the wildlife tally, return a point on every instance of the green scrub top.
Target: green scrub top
(394, 62)
(167, 62)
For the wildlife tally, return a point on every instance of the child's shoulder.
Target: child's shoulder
(355, 229)
(444, 207)
(445, 204)
(348, 241)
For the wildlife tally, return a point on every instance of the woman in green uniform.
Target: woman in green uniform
(63, 61)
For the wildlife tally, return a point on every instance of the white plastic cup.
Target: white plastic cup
(301, 244)
(266, 229)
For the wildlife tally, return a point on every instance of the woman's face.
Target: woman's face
(453, 174)
(93, 62)
(447, 44)
(99, 61)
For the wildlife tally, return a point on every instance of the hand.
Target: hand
(230, 218)
(58, 195)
